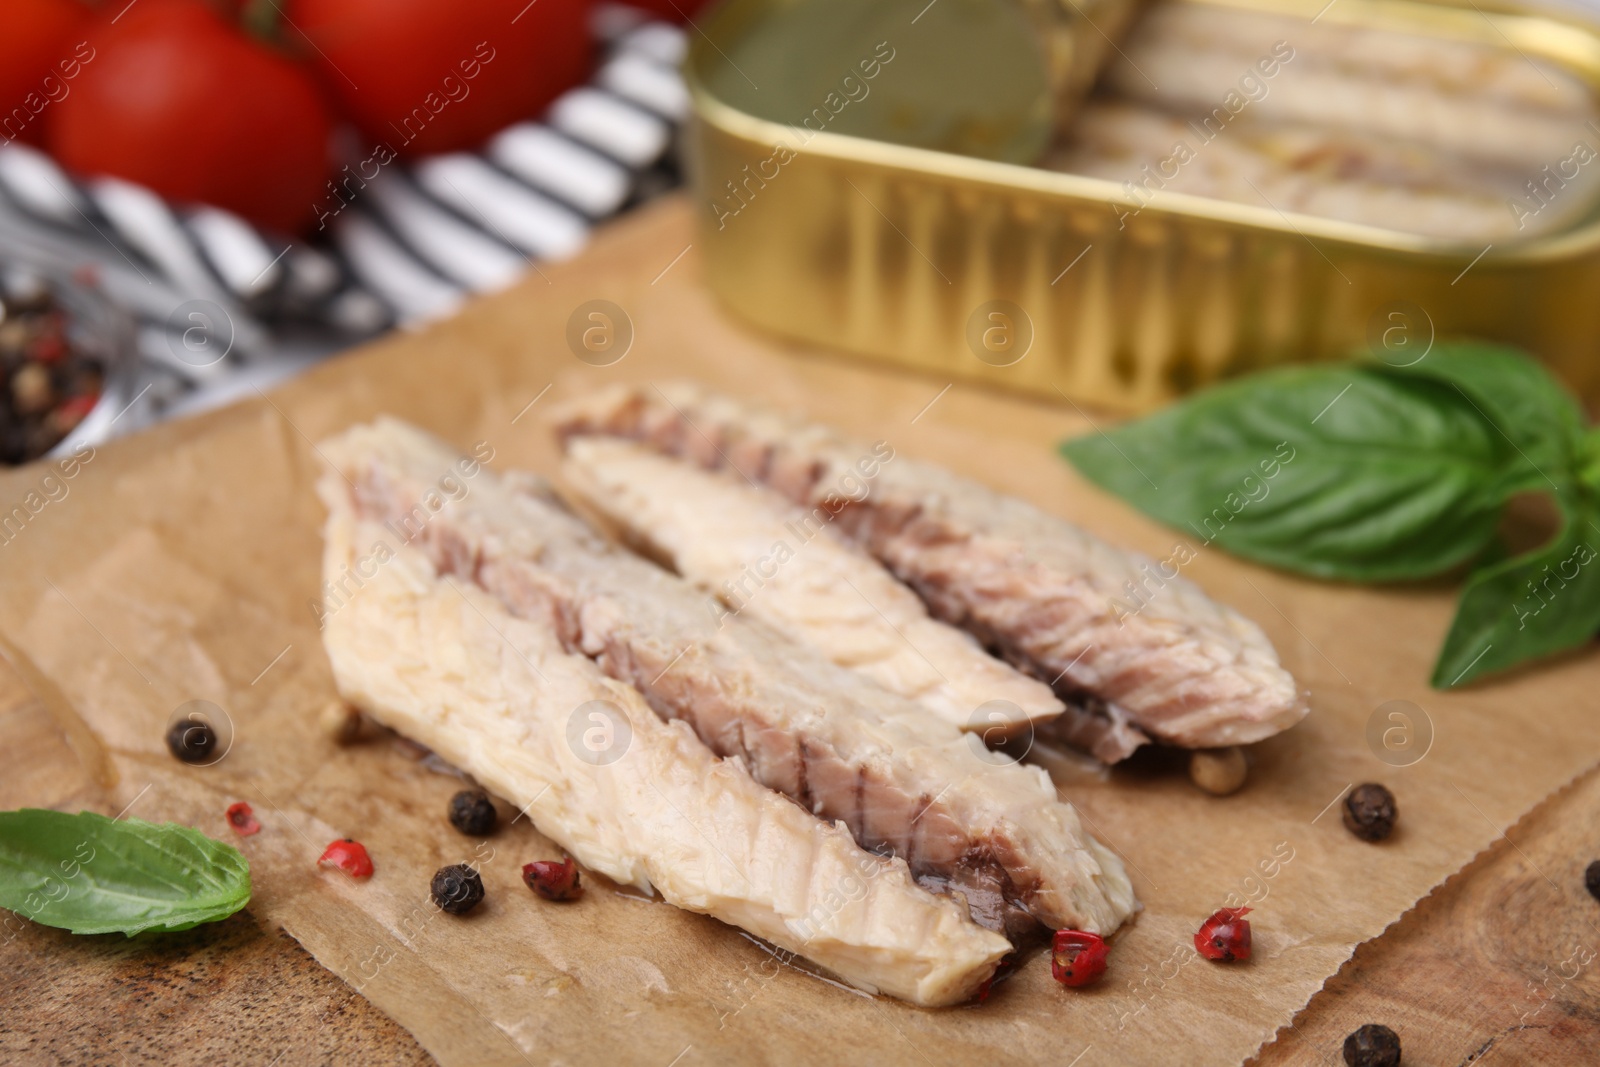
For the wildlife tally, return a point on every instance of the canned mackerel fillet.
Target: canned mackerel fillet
(1249, 182)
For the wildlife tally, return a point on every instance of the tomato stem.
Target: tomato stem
(260, 19)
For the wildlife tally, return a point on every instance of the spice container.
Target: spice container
(66, 363)
(1029, 278)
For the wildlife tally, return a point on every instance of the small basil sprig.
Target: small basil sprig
(93, 875)
(1369, 472)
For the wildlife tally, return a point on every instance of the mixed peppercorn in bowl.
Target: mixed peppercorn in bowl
(65, 356)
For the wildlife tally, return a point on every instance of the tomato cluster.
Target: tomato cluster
(233, 102)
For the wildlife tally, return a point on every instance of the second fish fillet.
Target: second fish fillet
(1049, 595)
(762, 555)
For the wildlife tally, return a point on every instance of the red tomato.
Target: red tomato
(439, 75)
(39, 46)
(179, 100)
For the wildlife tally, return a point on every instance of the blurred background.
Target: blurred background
(199, 198)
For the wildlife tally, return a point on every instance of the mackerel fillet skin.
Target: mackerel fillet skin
(847, 750)
(758, 553)
(444, 663)
(1048, 595)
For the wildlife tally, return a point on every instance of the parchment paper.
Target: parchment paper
(179, 565)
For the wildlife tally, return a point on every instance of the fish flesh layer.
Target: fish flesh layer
(782, 563)
(1047, 595)
(762, 555)
(848, 750)
(639, 800)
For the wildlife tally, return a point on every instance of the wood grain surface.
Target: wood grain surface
(1497, 967)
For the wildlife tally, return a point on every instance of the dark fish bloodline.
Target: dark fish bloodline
(1089, 723)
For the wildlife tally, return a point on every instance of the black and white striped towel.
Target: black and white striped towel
(409, 247)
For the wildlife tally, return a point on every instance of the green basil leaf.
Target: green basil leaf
(1338, 471)
(93, 875)
(1533, 605)
(1588, 460)
(1521, 400)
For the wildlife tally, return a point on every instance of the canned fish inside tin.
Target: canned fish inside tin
(1424, 135)
(1327, 113)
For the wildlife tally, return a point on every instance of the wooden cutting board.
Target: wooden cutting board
(1478, 970)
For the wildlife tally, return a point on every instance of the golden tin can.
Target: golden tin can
(970, 263)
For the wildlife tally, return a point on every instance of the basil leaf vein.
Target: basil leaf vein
(1521, 401)
(1339, 472)
(93, 875)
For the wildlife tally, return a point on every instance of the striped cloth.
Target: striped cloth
(408, 247)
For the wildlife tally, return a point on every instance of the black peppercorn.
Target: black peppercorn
(457, 888)
(1591, 879)
(1374, 1045)
(473, 813)
(1369, 812)
(192, 740)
